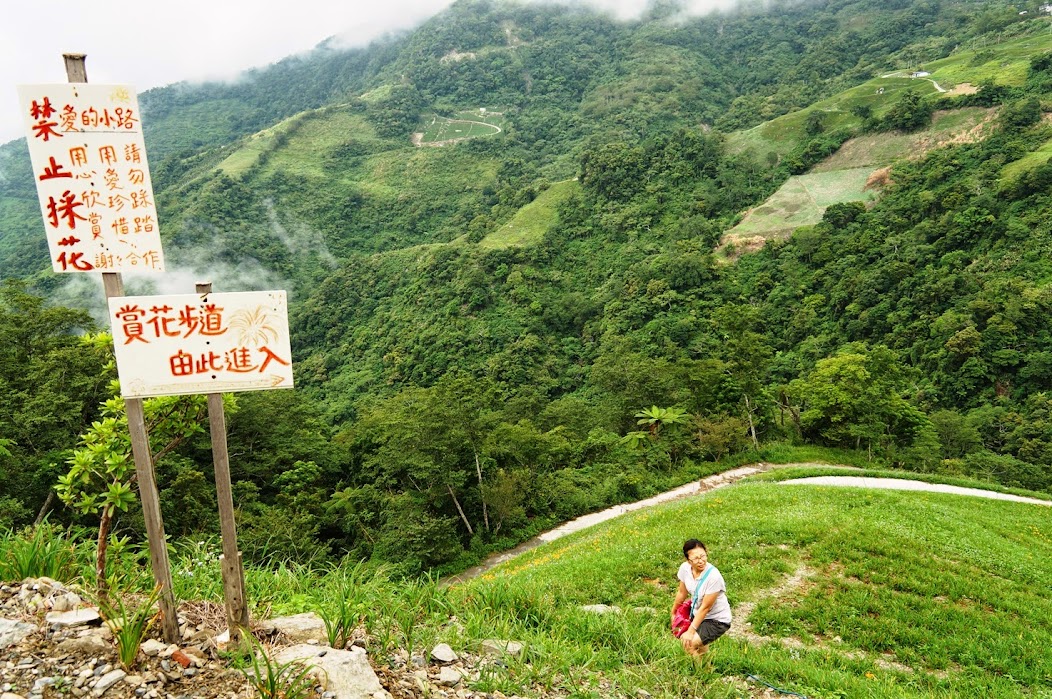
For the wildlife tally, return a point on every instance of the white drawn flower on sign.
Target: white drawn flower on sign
(253, 326)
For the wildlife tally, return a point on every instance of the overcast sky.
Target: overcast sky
(153, 43)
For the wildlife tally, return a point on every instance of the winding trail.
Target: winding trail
(903, 484)
(706, 484)
(719, 480)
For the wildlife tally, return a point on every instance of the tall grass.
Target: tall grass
(42, 551)
(128, 624)
(270, 679)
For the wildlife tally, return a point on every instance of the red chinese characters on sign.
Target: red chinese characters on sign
(89, 161)
(225, 342)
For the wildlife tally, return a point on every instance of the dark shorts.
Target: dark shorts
(710, 630)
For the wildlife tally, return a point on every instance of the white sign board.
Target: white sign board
(89, 165)
(188, 343)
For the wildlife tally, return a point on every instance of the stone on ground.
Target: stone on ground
(443, 653)
(298, 628)
(77, 617)
(345, 673)
(12, 632)
(499, 648)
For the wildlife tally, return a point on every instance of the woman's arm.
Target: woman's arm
(681, 596)
(691, 633)
(706, 605)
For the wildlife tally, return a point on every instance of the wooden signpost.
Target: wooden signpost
(89, 160)
(206, 343)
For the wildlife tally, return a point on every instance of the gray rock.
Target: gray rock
(12, 632)
(443, 653)
(134, 680)
(152, 647)
(66, 602)
(38, 686)
(108, 680)
(86, 645)
(345, 673)
(77, 617)
(298, 628)
(448, 677)
(498, 648)
(600, 609)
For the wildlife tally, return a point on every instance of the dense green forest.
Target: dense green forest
(457, 392)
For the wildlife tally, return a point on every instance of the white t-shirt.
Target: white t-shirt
(721, 608)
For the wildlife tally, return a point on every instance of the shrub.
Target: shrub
(37, 552)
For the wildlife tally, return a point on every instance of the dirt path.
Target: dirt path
(713, 482)
(706, 484)
(904, 484)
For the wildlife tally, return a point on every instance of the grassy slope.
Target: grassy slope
(953, 588)
(1028, 162)
(842, 177)
(1006, 63)
(802, 200)
(532, 221)
(877, 150)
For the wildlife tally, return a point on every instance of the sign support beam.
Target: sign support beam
(113, 283)
(230, 562)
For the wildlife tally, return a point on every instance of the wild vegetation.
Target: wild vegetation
(479, 328)
(868, 593)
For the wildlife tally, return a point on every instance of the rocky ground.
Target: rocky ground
(54, 646)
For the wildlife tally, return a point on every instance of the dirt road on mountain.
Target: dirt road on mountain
(720, 480)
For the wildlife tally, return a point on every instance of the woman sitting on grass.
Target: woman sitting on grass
(702, 583)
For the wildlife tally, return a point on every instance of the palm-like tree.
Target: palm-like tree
(655, 418)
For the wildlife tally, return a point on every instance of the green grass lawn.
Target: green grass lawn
(530, 223)
(901, 595)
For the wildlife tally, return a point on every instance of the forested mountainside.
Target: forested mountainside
(510, 299)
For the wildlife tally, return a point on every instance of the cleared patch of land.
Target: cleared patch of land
(1004, 63)
(801, 201)
(531, 222)
(469, 124)
(317, 135)
(843, 176)
(877, 150)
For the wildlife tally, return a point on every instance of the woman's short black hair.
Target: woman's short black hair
(691, 544)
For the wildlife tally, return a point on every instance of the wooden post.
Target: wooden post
(151, 502)
(230, 563)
